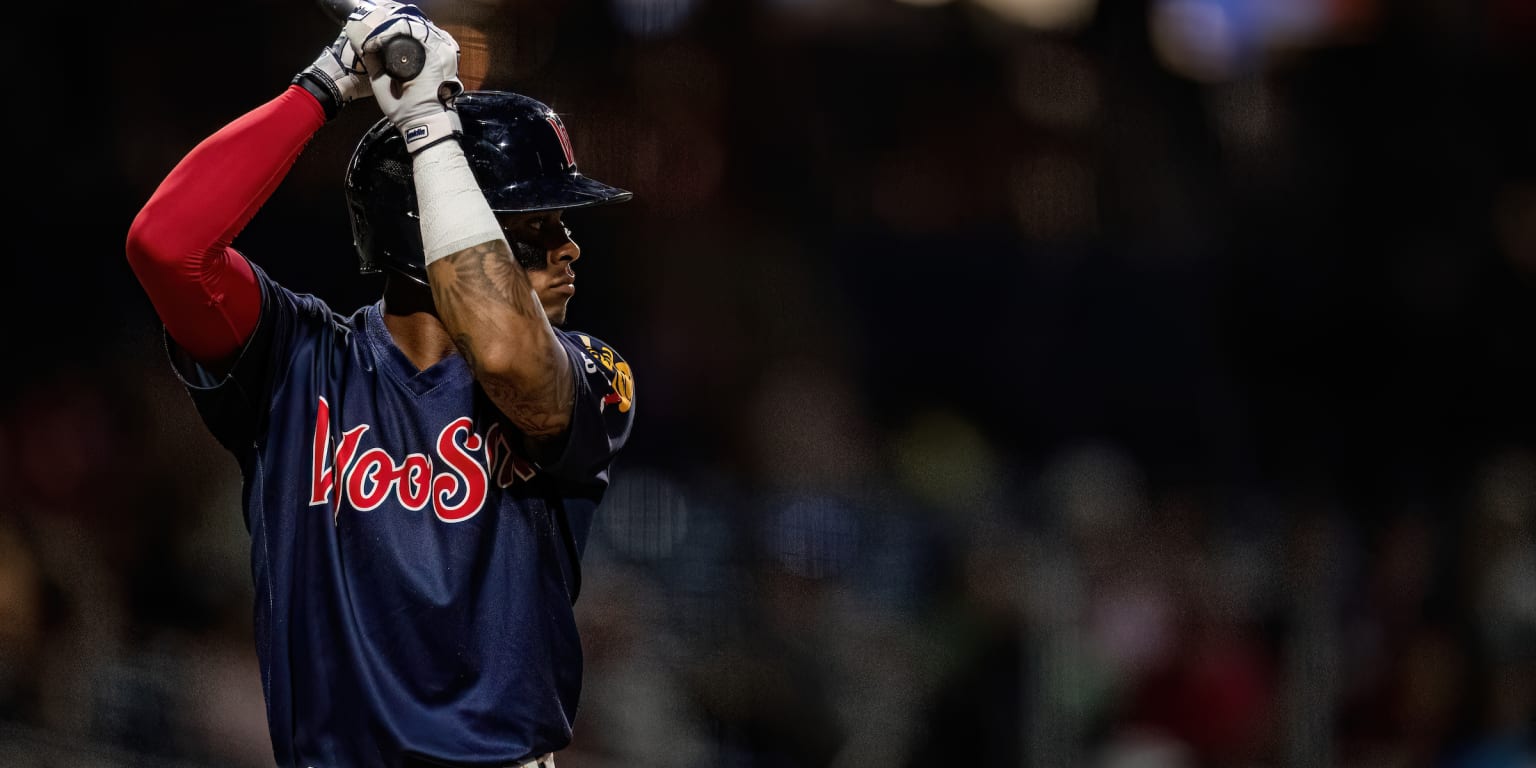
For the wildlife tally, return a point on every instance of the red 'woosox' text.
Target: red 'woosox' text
(368, 480)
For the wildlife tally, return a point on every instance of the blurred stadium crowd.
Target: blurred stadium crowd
(1021, 382)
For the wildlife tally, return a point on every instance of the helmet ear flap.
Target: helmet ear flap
(362, 235)
(381, 201)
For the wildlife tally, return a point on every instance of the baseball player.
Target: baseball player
(420, 476)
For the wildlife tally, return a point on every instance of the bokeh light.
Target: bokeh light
(1054, 15)
(651, 19)
(474, 54)
(1201, 39)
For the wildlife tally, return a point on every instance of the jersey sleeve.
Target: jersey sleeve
(602, 414)
(236, 405)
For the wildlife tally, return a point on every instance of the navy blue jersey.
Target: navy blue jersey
(414, 567)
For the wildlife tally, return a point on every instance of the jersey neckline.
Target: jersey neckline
(398, 366)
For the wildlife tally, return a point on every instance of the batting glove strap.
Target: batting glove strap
(426, 131)
(323, 89)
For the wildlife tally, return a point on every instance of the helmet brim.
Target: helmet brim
(555, 193)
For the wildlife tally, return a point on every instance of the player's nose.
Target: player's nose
(565, 252)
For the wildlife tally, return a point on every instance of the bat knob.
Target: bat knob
(403, 58)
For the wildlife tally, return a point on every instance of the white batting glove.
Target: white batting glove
(336, 78)
(422, 109)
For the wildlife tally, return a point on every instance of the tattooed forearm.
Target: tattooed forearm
(530, 412)
(489, 268)
(467, 349)
(488, 306)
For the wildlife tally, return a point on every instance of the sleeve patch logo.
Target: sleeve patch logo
(623, 387)
(623, 382)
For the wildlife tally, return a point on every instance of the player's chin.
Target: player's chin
(555, 310)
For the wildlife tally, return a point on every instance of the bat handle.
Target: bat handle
(403, 58)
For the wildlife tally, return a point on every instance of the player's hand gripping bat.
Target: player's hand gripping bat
(403, 56)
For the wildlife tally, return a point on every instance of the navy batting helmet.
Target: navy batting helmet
(518, 151)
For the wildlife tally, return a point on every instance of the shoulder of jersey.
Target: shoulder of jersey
(598, 349)
(604, 361)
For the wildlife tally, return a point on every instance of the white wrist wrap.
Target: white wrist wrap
(454, 214)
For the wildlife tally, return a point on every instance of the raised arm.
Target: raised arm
(482, 296)
(179, 244)
(489, 308)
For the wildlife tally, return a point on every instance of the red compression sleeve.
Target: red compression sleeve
(205, 291)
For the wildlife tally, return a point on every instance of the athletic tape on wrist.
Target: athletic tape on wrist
(454, 214)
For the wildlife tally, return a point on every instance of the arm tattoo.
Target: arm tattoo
(486, 273)
(485, 300)
(530, 411)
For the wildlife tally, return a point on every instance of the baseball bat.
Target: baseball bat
(403, 56)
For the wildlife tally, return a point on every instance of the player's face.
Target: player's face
(543, 246)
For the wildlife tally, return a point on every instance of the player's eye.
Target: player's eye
(535, 228)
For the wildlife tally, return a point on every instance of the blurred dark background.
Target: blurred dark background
(1021, 382)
